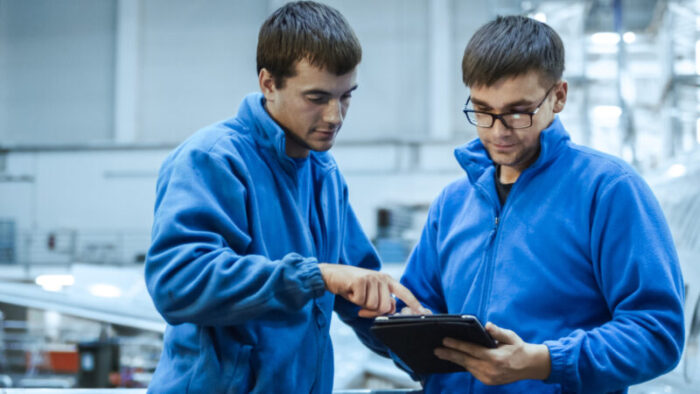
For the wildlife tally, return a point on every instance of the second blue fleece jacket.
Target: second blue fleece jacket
(579, 258)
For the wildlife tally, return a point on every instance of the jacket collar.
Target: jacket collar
(270, 136)
(475, 160)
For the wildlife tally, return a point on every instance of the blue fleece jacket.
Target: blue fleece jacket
(233, 262)
(579, 258)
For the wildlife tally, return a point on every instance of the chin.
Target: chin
(322, 147)
(501, 159)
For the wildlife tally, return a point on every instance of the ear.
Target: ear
(267, 84)
(560, 93)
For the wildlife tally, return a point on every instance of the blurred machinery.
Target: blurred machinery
(398, 229)
(392, 223)
(98, 329)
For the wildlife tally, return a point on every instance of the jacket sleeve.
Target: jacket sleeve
(637, 270)
(358, 251)
(197, 268)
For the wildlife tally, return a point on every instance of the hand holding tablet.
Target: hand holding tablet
(413, 338)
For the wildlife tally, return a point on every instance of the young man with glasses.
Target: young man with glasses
(562, 249)
(254, 241)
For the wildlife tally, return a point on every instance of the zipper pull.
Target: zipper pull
(494, 230)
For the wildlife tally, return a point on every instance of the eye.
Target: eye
(317, 99)
(346, 96)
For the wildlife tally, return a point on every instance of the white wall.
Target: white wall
(74, 72)
(57, 77)
(197, 62)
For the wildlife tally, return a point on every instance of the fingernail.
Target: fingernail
(438, 353)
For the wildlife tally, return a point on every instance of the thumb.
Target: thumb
(502, 335)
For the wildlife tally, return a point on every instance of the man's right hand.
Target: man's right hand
(369, 289)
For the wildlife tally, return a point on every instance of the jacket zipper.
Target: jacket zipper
(490, 262)
(494, 242)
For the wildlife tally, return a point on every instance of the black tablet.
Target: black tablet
(414, 338)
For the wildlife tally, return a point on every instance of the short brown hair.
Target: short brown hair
(306, 30)
(510, 46)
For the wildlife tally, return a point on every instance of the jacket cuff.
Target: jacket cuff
(562, 372)
(310, 276)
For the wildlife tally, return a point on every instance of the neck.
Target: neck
(508, 174)
(292, 146)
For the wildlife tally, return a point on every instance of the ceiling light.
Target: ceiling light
(675, 171)
(105, 290)
(607, 111)
(54, 282)
(540, 16)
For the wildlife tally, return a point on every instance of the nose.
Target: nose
(499, 128)
(333, 113)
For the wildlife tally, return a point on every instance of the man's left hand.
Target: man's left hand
(511, 361)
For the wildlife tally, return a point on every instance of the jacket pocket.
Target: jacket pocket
(221, 367)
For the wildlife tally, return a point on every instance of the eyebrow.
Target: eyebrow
(521, 102)
(326, 93)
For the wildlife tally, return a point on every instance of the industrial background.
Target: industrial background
(94, 94)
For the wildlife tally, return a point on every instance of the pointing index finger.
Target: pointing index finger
(406, 296)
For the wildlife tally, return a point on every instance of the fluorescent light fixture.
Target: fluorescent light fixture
(605, 38)
(607, 111)
(675, 171)
(629, 37)
(54, 282)
(540, 16)
(105, 290)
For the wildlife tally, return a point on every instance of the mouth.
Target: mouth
(326, 133)
(504, 147)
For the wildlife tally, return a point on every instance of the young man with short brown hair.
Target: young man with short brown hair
(563, 249)
(254, 241)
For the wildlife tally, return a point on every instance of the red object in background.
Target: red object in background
(57, 361)
(63, 362)
(115, 379)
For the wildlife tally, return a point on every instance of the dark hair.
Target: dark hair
(510, 46)
(306, 30)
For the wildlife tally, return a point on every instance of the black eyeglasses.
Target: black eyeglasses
(512, 120)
